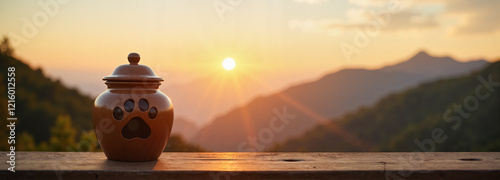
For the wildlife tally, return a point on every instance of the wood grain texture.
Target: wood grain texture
(94, 165)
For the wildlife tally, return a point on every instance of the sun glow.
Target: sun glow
(228, 64)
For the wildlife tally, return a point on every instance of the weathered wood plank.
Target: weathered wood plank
(85, 165)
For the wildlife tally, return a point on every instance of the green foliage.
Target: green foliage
(62, 135)
(397, 121)
(177, 144)
(4, 132)
(5, 47)
(25, 142)
(88, 142)
(40, 100)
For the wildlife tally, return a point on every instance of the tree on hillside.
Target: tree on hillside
(178, 144)
(88, 142)
(62, 134)
(25, 142)
(5, 50)
(5, 47)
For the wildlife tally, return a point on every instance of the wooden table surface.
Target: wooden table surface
(398, 165)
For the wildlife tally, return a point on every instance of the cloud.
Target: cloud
(460, 17)
(362, 19)
(412, 20)
(311, 2)
(478, 16)
(471, 17)
(368, 3)
(309, 25)
(368, 14)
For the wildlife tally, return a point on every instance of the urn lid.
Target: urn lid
(133, 72)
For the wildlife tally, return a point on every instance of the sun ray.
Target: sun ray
(247, 119)
(206, 93)
(218, 93)
(348, 137)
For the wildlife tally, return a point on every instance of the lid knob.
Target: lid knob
(133, 58)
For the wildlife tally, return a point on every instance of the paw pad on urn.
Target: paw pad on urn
(136, 127)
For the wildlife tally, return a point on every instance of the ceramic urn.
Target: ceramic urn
(133, 118)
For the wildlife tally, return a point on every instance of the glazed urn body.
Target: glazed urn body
(133, 118)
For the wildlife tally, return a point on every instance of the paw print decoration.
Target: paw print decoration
(135, 127)
(132, 118)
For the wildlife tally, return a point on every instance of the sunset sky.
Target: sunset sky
(278, 41)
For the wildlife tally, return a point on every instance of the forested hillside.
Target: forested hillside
(41, 100)
(51, 117)
(458, 114)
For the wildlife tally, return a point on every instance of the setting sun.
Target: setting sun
(228, 64)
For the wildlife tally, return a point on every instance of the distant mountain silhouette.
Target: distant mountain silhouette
(417, 119)
(433, 67)
(313, 102)
(184, 127)
(204, 98)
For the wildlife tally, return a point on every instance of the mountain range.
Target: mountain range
(202, 99)
(456, 114)
(184, 127)
(254, 126)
